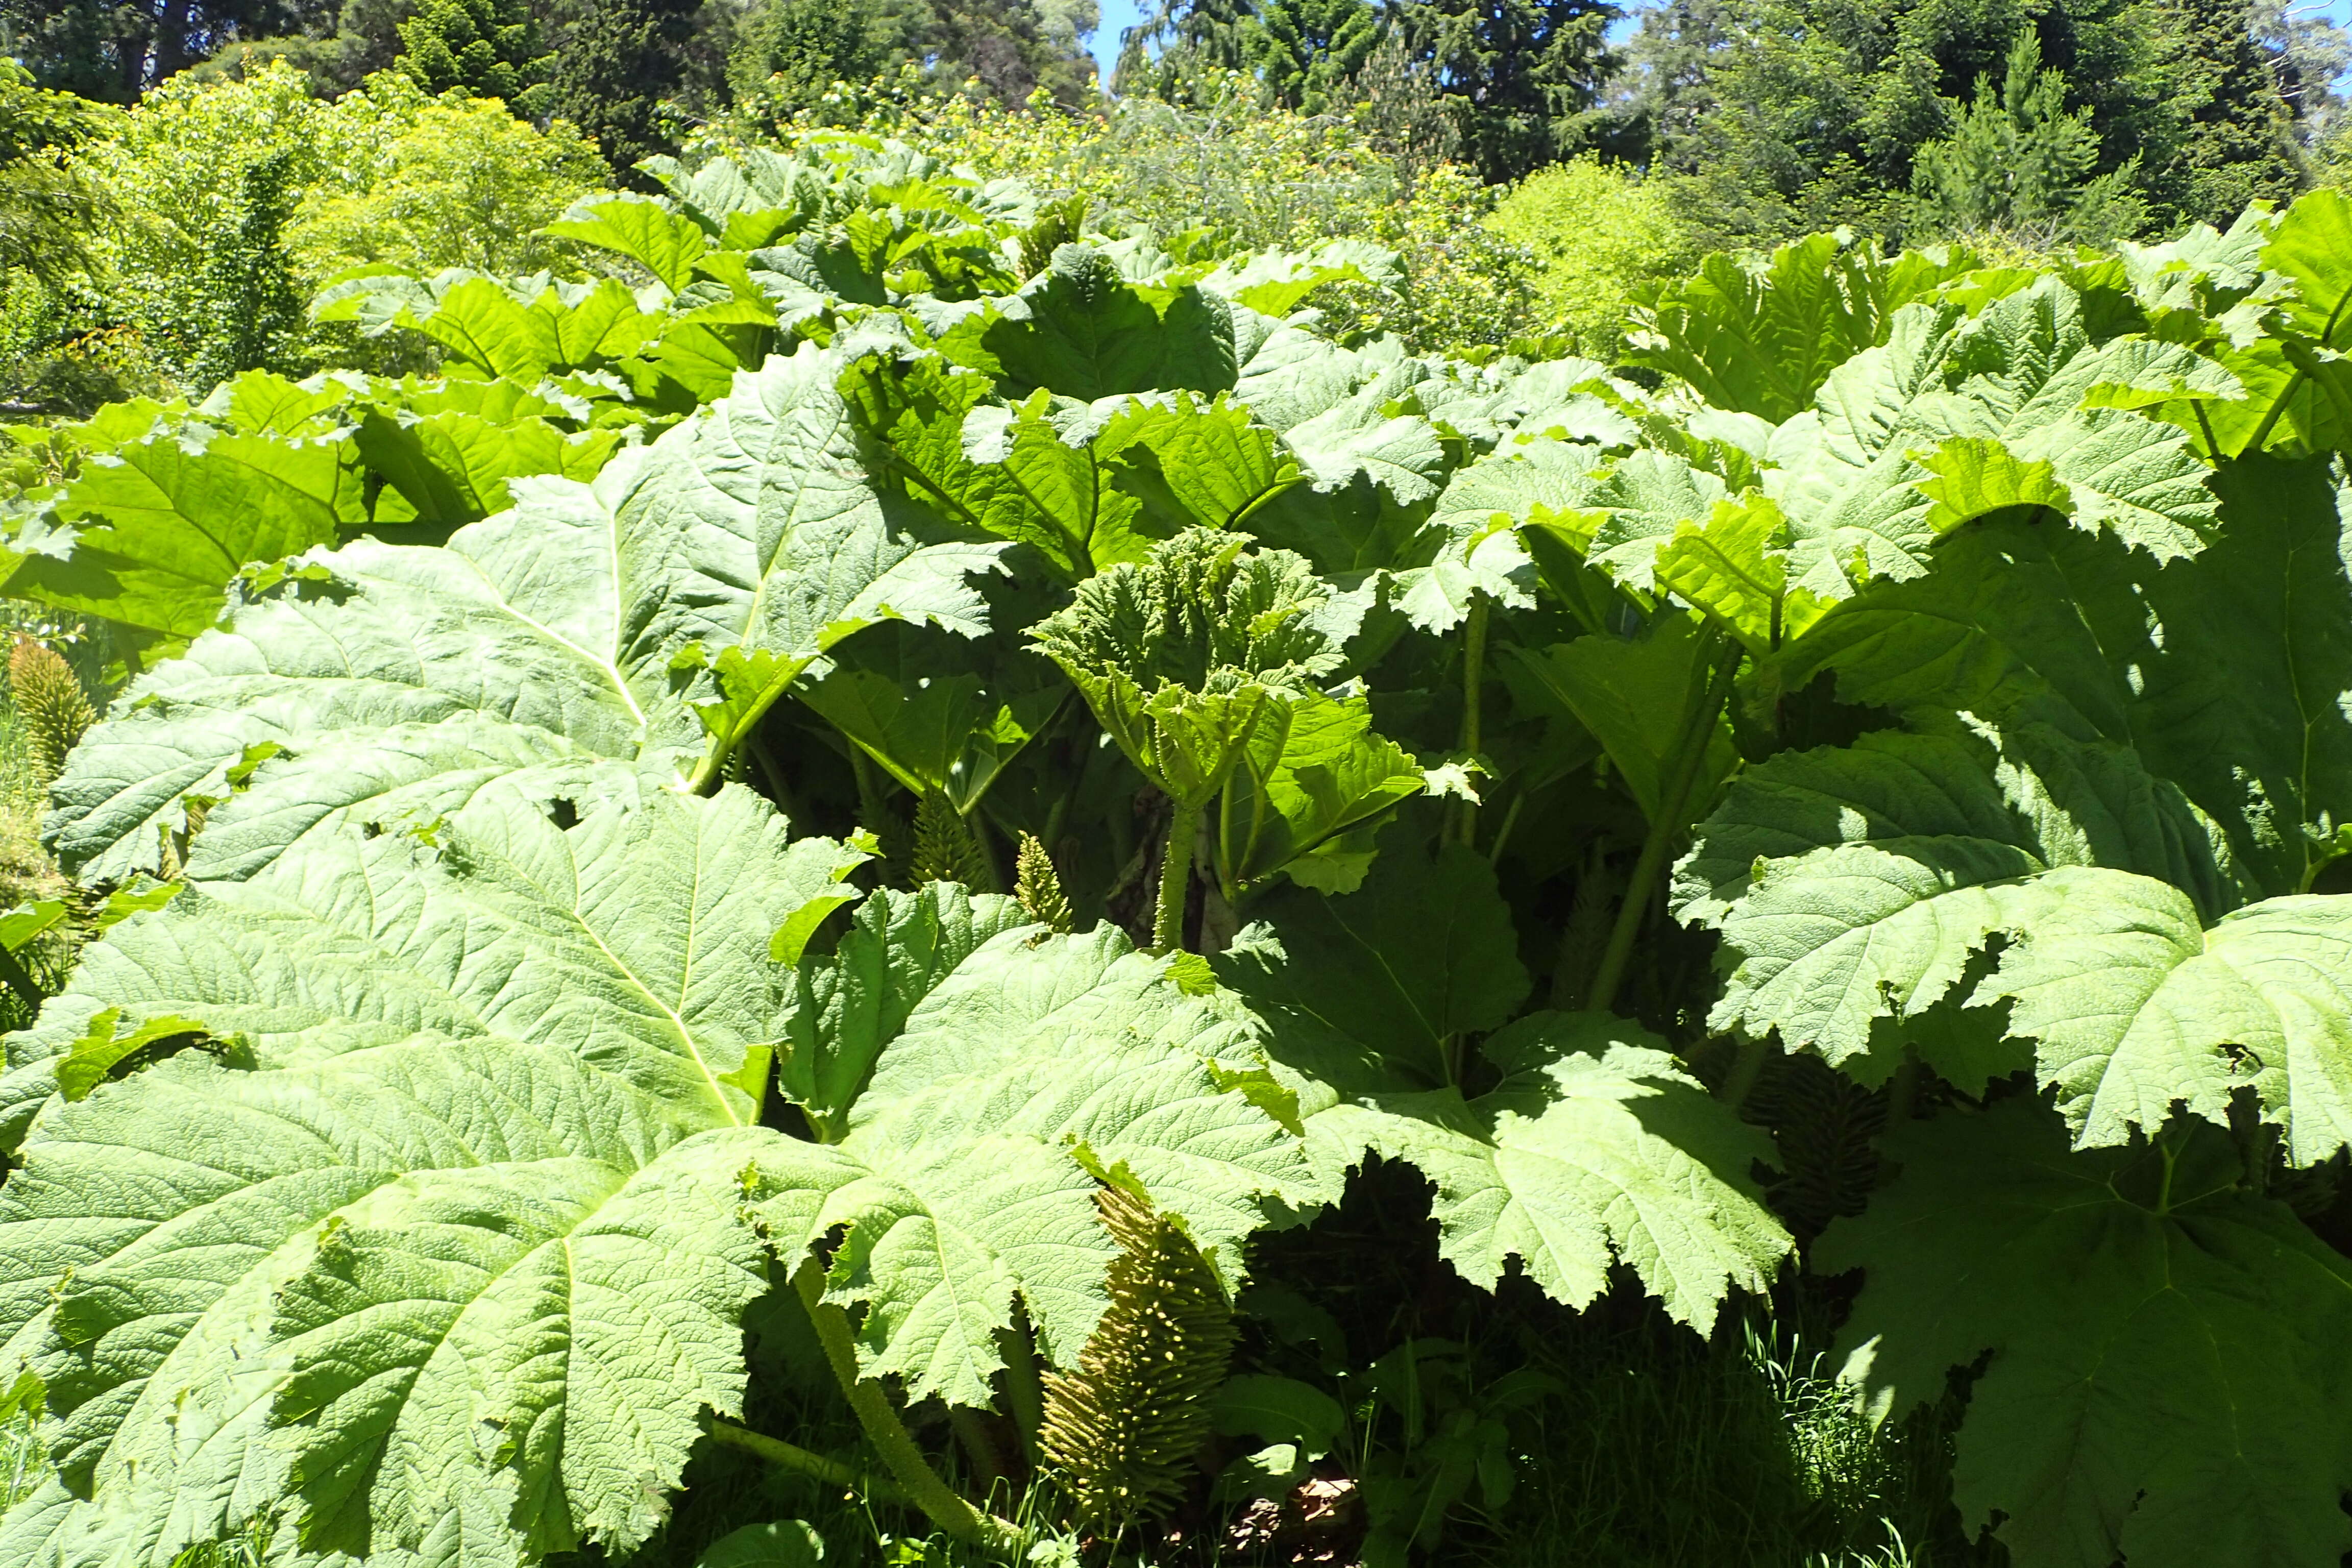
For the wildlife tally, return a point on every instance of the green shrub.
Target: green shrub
(230, 195)
(1225, 175)
(1598, 233)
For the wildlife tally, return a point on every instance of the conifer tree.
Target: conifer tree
(614, 62)
(491, 49)
(2240, 141)
(1522, 77)
(2019, 161)
(1808, 114)
(793, 50)
(1307, 50)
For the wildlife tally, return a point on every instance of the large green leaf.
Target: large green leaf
(1184, 655)
(1321, 774)
(1733, 566)
(157, 527)
(2139, 1006)
(854, 1003)
(353, 940)
(491, 330)
(452, 467)
(2161, 1375)
(2309, 249)
(1388, 977)
(969, 1172)
(1363, 438)
(400, 1242)
(1082, 330)
(1596, 1150)
(2222, 671)
(1953, 419)
(2238, 662)
(1761, 335)
(1639, 697)
(1089, 488)
(1854, 884)
(662, 241)
(726, 558)
(1274, 283)
(453, 1178)
(762, 545)
(517, 622)
(935, 730)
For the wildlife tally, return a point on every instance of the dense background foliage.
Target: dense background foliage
(1474, 782)
(1537, 164)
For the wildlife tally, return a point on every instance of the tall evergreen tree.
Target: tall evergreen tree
(1813, 112)
(795, 50)
(1068, 71)
(2019, 161)
(1177, 38)
(491, 49)
(2238, 143)
(1308, 51)
(1522, 77)
(614, 62)
(2310, 53)
(116, 49)
(1667, 90)
(1010, 47)
(1001, 44)
(1401, 110)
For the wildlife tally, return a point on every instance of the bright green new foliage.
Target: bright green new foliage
(584, 779)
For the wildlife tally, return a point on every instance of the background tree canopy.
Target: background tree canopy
(1537, 166)
(1903, 118)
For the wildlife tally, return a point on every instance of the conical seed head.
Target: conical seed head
(49, 703)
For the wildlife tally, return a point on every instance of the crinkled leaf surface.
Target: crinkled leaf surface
(1086, 331)
(637, 939)
(968, 1171)
(1185, 655)
(1855, 883)
(2136, 1006)
(2165, 1381)
(1951, 419)
(451, 1230)
(1596, 1148)
(157, 527)
(747, 538)
(755, 531)
(1423, 952)
(852, 1003)
(518, 622)
(1761, 335)
(2225, 671)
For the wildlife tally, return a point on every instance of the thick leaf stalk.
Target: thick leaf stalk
(939, 1502)
(1175, 881)
(1474, 673)
(793, 1457)
(1122, 1431)
(1657, 846)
